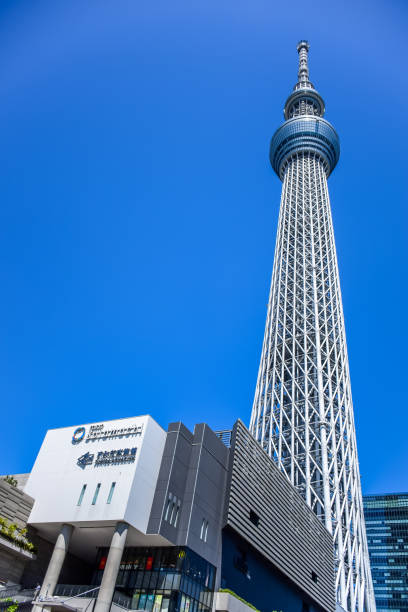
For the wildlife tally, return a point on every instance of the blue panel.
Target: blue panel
(245, 572)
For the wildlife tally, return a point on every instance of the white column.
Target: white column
(110, 573)
(55, 564)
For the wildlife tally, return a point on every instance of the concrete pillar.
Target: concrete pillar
(55, 564)
(110, 573)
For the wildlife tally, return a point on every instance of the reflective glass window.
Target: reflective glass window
(111, 490)
(95, 497)
(81, 495)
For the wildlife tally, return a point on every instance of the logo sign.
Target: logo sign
(98, 432)
(85, 460)
(113, 457)
(123, 455)
(78, 435)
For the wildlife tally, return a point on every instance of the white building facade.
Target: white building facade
(97, 472)
(93, 480)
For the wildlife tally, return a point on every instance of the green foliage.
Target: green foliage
(12, 481)
(14, 604)
(17, 536)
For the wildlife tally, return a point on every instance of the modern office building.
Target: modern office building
(386, 518)
(302, 413)
(144, 519)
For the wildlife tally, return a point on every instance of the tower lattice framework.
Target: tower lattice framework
(303, 413)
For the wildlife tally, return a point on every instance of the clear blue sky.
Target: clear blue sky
(139, 210)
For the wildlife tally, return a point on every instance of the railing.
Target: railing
(16, 590)
(76, 590)
(124, 601)
(10, 591)
(225, 436)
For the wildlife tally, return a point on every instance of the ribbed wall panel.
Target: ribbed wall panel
(289, 534)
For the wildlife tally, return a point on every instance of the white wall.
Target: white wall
(56, 479)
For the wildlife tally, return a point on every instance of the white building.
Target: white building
(96, 473)
(92, 477)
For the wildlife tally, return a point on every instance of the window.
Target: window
(314, 577)
(177, 514)
(204, 530)
(254, 518)
(166, 514)
(113, 485)
(81, 495)
(240, 562)
(95, 497)
(171, 513)
(173, 507)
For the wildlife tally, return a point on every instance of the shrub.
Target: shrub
(12, 532)
(12, 481)
(14, 604)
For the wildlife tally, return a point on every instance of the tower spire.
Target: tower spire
(303, 73)
(304, 99)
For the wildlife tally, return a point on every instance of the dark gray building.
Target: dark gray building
(189, 500)
(235, 510)
(386, 518)
(280, 532)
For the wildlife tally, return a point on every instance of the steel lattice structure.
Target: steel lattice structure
(302, 413)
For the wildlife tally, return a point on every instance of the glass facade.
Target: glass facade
(304, 134)
(386, 518)
(167, 579)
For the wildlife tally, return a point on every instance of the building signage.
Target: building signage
(98, 432)
(113, 457)
(85, 460)
(78, 435)
(122, 455)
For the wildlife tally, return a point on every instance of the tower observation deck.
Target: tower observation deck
(302, 413)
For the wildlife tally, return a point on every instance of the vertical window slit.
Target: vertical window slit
(95, 497)
(112, 489)
(81, 495)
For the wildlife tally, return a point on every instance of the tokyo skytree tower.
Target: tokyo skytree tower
(303, 413)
